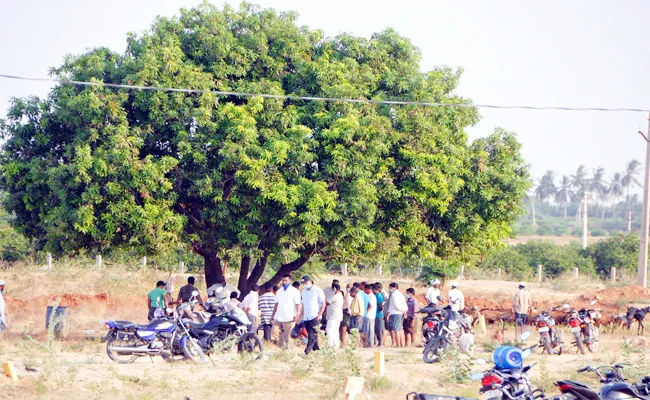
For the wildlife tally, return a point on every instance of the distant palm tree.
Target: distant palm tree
(580, 183)
(616, 189)
(564, 194)
(598, 187)
(546, 188)
(629, 178)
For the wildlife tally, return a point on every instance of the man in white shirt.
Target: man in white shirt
(313, 307)
(372, 313)
(287, 310)
(456, 298)
(250, 305)
(334, 316)
(397, 307)
(433, 292)
(3, 315)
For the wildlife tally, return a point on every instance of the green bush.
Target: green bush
(620, 251)
(14, 246)
(598, 232)
(509, 260)
(562, 230)
(545, 230)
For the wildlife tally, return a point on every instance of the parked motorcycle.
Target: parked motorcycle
(550, 336)
(583, 328)
(167, 337)
(615, 385)
(431, 324)
(454, 330)
(508, 378)
(232, 324)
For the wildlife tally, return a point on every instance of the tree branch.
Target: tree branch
(294, 265)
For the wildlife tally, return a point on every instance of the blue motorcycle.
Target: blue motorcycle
(167, 337)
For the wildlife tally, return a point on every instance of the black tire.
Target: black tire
(120, 359)
(252, 344)
(192, 351)
(579, 344)
(546, 342)
(433, 349)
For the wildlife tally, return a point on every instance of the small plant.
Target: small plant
(458, 369)
(378, 383)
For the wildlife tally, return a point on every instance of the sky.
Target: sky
(552, 53)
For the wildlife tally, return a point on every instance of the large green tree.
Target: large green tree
(251, 177)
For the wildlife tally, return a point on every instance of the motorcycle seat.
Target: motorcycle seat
(125, 325)
(197, 325)
(578, 384)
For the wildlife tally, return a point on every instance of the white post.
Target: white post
(98, 260)
(182, 267)
(575, 272)
(144, 262)
(461, 272)
(629, 221)
(498, 274)
(49, 261)
(344, 269)
(539, 273)
(642, 270)
(584, 222)
(379, 271)
(612, 274)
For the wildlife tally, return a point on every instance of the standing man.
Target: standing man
(380, 325)
(334, 316)
(371, 315)
(456, 300)
(520, 306)
(266, 305)
(250, 305)
(433, 292)
(185, 294)
(313, 307)
(397, 308)
(345, 323)
(356, 308)
(411, 317)
(157, 301)
(287, 310)
(3, 311)
(363, 329)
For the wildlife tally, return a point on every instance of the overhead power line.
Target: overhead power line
(328, 99)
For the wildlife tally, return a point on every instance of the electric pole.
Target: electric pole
(584, 221)
(642, 271)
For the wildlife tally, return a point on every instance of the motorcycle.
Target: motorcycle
(582, 327)
(453, 330)
(615, 385)
(220, 327)
(167, 337)
(511, 383)
(431, 323)
(550, 336)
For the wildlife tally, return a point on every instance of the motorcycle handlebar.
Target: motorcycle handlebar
(585, 369)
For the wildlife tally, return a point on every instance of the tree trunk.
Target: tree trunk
(243, 275)
(532, 206)
(213, 270)
(565, 211)
(290, 267)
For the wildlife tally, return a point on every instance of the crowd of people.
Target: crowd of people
(294, 308)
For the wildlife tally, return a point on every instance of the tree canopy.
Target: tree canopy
(250, 177)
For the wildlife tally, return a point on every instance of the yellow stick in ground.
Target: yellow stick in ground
(10, 371)
(379, 363)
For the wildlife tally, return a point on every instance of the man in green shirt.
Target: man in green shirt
(156, 301)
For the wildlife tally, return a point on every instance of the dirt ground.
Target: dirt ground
(78, 366)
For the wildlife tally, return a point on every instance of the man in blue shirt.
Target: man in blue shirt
(313, 306)
(367, 307)
(380, 325)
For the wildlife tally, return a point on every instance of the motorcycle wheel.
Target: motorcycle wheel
(192, 351)
(559, 340)
(120, 359)
(433, 349)
(593, 344)
(546, 341)
(252, 344)
(579, 345)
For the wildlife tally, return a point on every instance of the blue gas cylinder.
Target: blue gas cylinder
(508, 357)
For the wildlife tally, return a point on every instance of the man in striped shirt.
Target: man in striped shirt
(267, 303)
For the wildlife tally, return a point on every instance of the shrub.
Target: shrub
(620, 251)
(562, 230)
(598, 232)
(545, 230)
(509, 260)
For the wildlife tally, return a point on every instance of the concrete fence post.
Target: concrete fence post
(498, 274)
(49, 261)
(344, 269)
(539, 273)
(144, 262)
(182, 267)
(575, 272)
(612, 274)
(98, 260)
